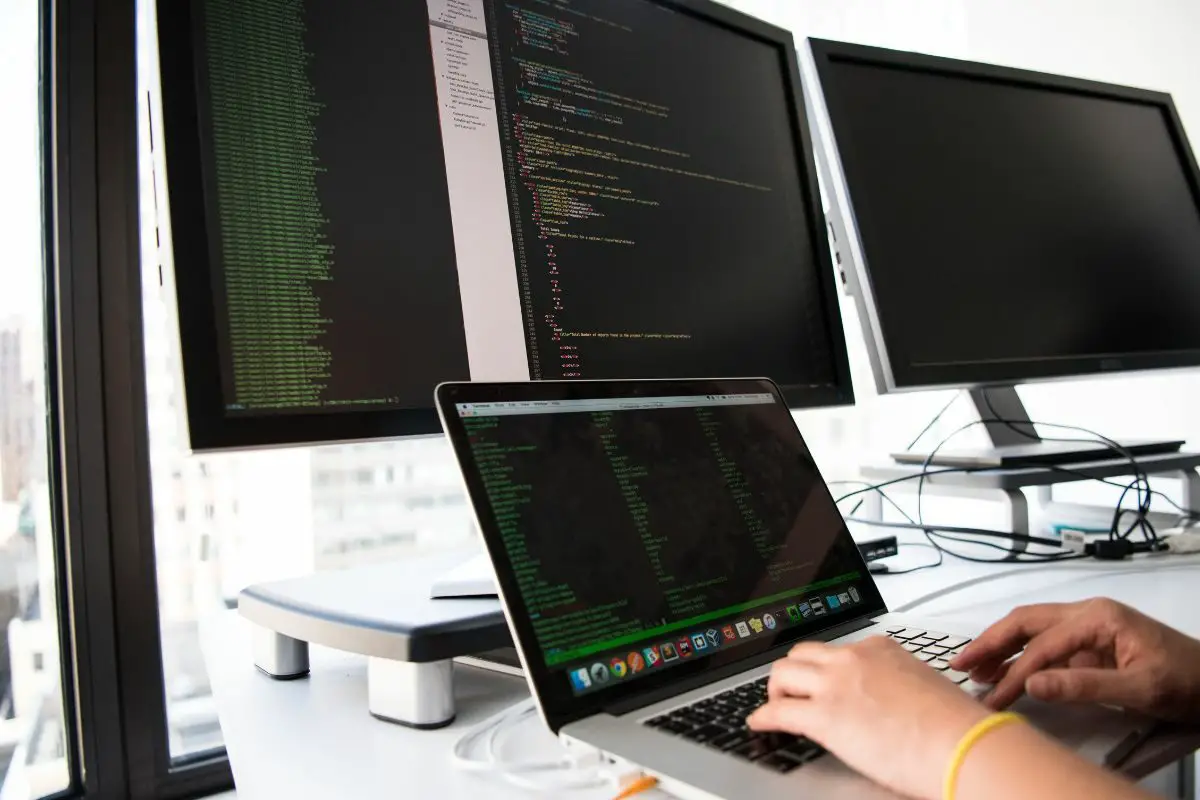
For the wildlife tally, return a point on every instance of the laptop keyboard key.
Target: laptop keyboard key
(922, 641)
(803, 750)
(956, 677)
(909, 633)
(705, 733)
(730, 740)
(910, 647)
(752, 750)
(940, 664)
(778, 763)
(953, 642)
(937, 637)
(937, 650)
(924, 657)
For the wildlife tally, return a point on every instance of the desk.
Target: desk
(312, 739)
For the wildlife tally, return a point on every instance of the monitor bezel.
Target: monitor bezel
(889, 362)
(557, 704)
(189, 209)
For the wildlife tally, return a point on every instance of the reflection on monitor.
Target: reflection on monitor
(640, 531)
(368, 199)
(1009, 226)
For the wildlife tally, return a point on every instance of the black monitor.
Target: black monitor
(1000, 226)
(367, 199)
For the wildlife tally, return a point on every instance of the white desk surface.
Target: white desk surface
(313, 738)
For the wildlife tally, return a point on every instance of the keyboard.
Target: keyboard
(935, 649)
(719, 721)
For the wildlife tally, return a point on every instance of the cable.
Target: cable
(913, 526)
(1011, 558)
(940, 560)
(1032, 558)
(1141, 482)
(871, 487)
(874, 487)
(1139, 474)
(934, 533)
(490, 730)
(1144, 500)
(1186, 512)
(932, 422)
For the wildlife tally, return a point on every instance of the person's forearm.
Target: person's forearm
(1018, 761)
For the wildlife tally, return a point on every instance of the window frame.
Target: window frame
(114, 694)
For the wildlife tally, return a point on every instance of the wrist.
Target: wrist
(977, 743)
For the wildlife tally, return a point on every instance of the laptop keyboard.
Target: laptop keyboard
(935, 649)
(719, 722)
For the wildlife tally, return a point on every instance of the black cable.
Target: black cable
(914, 526)
(1022, 558)
(1033, 558)
(1144, 500)
(932, 422)
(876, 487)
(871, 487)
(1142, 478)
(1187, 512)
(1141, 485)
(941, 559)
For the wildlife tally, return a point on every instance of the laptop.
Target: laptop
(657, 544)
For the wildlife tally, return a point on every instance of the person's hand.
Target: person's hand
(1097, 651)
(874, 706)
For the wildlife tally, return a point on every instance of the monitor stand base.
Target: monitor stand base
(1015, 443)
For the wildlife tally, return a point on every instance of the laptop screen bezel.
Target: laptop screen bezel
(559, 705)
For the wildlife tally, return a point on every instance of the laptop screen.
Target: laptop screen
(643, 534)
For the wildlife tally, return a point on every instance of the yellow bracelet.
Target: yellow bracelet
(969, 740)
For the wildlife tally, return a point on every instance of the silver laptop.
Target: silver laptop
(657, 544)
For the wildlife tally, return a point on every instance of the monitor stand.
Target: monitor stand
(1015, 442)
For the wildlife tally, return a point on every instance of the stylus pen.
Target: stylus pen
(1125, 748)
(641, 784)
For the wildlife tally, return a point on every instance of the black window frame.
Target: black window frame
(114, 695)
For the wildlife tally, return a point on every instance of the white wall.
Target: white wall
(1153, 44)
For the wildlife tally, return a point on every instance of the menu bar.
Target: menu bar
(524, 407)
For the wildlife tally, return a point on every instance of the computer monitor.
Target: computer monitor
(999, 226)
(369, 198)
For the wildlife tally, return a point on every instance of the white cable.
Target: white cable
(490, 730)
(1183, 543)
(1071, 567)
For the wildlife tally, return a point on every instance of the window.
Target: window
(290, 512)
(33, 755)
(283, 512)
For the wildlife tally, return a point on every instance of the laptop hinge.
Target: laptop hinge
(712, 676)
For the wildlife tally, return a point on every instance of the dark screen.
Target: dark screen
(659, 177)
(655, 532)
(1006, 223)
(658, 196)
(326, 179)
